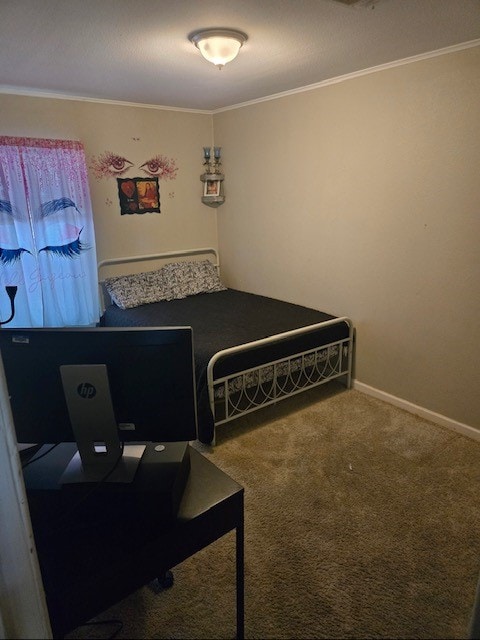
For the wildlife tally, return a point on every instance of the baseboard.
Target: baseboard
(437, 418)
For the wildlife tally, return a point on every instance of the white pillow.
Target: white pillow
(173, 281)
(138, 288)
(191, 278)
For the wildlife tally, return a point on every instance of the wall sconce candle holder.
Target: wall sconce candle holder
(212, 178)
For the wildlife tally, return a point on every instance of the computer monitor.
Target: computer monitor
(101, 387)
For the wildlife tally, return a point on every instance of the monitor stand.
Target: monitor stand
(89, 402)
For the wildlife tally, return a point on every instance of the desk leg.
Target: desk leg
(240, 580)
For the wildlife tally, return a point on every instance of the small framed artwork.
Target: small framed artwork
(211, 188)
(138, 195)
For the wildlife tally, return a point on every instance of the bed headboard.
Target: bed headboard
(136, 264)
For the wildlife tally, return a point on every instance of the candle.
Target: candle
(217, 152)
(206, 153)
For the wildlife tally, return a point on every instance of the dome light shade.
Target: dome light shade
(218, 46)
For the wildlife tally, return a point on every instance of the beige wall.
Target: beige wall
(360, 198)
(363, 199)
(184, 221)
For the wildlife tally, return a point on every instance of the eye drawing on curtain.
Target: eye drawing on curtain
(64, 249)
(47, 240)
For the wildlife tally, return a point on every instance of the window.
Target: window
(47, 239)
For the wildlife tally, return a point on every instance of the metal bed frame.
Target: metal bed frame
(242, 392)
(245, 391)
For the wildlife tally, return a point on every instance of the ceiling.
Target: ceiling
(138, 51)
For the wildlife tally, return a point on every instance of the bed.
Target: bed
(250, 350)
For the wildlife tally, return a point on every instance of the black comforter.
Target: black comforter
(226, 319)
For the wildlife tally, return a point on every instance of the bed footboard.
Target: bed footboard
(242, 392)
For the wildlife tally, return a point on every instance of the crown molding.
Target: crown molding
(23, 91)
(33, 93)
(356, 74)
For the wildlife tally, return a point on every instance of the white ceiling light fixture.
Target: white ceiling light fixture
(218, 46)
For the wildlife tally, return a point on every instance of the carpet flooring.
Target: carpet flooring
(361, 521)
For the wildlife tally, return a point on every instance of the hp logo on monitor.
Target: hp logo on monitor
(86, 390)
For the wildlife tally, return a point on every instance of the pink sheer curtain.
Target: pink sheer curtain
(47, 238)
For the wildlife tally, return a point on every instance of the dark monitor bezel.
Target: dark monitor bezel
(103, 338)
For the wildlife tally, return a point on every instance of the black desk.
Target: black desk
(88, 568)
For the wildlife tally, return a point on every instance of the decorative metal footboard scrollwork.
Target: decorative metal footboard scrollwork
(242, 392)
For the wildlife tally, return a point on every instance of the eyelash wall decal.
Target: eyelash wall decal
(109, 164)
(160, 166)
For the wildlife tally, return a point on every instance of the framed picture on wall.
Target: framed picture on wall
(138, 195)
(211, 188)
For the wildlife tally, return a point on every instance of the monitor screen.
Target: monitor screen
(149, 373)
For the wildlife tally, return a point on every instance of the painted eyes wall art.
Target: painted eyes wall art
(136, 195)
(112, 165)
